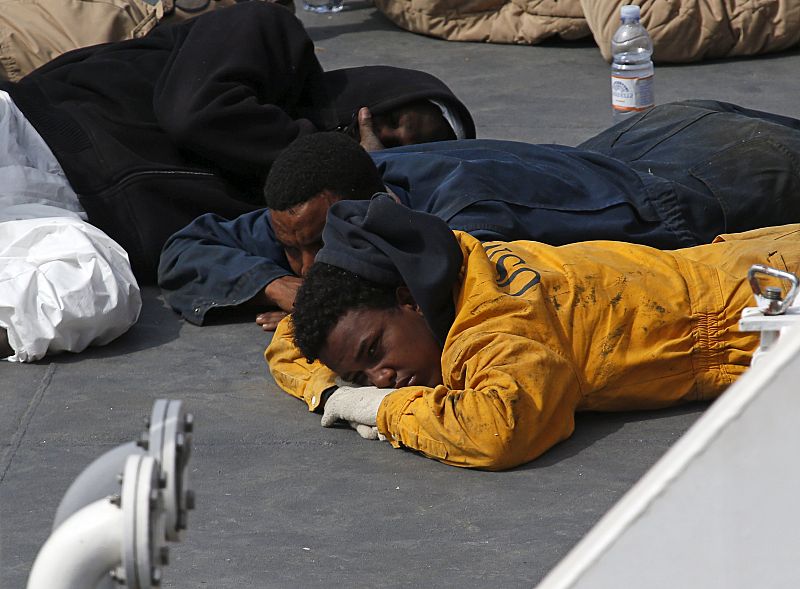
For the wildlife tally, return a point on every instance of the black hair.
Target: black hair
(317, 162)
(326, 295)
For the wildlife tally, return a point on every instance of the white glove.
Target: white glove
(368, 432)
(358, 406)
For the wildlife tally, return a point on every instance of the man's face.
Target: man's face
(299, 230)
(418, 122)
(387, 348)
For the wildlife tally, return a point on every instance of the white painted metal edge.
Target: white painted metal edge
(725, 410)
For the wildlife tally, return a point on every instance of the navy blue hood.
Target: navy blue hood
(389, 244)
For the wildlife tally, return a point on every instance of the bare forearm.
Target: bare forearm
(282, 292)
(276, 294)
(366, 133)
(259, 301)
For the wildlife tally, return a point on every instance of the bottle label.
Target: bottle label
(631, 94)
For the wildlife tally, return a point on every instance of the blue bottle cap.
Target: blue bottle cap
(630, 11)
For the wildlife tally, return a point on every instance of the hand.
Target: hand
(369, 139)
(358, 406)
(282, 292)
(268, 320)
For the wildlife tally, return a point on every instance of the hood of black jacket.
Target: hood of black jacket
(382, 88)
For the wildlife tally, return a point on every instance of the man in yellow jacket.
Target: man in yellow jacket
(479, 354)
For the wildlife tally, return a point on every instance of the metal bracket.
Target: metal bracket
(773, 312)
(769, 300)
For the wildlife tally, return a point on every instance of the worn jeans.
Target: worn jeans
(714, 157)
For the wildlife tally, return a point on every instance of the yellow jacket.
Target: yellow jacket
(541, 332)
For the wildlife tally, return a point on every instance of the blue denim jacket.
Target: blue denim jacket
(674, 177)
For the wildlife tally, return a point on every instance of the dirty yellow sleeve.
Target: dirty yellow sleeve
(292, 372)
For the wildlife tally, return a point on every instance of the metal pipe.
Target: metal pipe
(82, 551)
(168, 439)
(98, 480)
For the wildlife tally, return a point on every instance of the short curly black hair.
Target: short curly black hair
(326, 295)
(321, 161)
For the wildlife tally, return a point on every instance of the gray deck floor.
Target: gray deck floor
(282, 502)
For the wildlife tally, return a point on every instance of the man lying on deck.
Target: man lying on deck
(674, 177)
(479, 354)
(135, 139)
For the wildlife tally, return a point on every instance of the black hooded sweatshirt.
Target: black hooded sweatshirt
(155, 131)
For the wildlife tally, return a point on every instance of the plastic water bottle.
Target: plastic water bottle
(631, 68)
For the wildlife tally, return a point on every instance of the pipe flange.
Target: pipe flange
(143, 540)
(170, 436)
